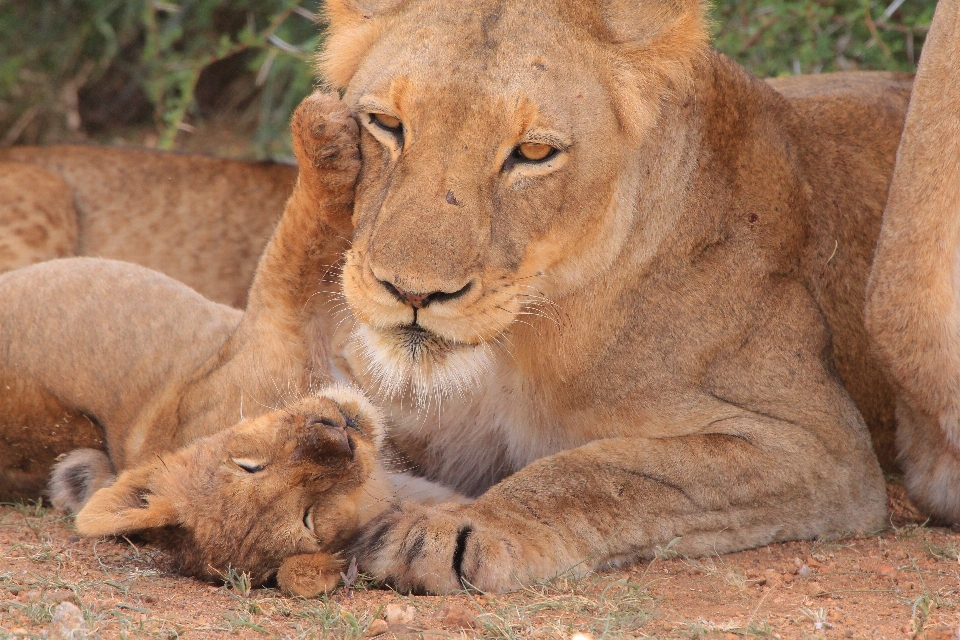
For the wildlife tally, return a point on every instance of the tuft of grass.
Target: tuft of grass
(238, 582)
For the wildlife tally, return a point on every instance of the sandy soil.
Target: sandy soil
(903, 582)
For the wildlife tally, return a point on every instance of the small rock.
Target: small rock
(376, 628)
(67, 622)
(32, 595)
(941, 632)
(804, 571)
(886, 570)
(813, 588)
(456, 617)
(399, 614)
(771, 578)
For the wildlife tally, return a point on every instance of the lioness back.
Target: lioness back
(203, 221)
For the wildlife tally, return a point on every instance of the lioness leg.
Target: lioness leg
(38, 220)
(618, 499)
(913, 301)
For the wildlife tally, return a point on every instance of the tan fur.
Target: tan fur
(646, 336)
(114, 356)
(291, 485)
(913, 306)
(203, 221)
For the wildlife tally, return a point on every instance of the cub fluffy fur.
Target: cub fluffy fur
(913, 301)
(609, 282)
(142, 207)
(275, 495)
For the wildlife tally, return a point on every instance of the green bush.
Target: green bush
(67, 64)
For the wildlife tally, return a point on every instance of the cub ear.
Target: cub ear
(655, 46)
(126, 507)
(353, 26)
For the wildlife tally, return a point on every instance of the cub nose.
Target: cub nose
(421, 300)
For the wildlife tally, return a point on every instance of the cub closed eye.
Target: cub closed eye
(327, 422)
(248, 465)
(534, 152)
(387, 123)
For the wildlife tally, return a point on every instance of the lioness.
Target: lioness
(203, 221)
(609, 282)
(913, 302)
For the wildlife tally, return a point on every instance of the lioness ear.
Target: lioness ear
(127, 506)
(353, 26)
(656, 44)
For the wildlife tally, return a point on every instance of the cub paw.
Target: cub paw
(326, 140)
(309, 574)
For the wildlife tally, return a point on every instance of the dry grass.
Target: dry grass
(903, 582)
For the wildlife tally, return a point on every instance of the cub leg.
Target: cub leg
(38, 220)
(913, 299)
(34, 430)
(618, 499)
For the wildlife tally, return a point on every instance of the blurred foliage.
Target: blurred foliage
(71, 67)
(803, 36)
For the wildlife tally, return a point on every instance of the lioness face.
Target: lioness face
(498, 174)
(289, 482)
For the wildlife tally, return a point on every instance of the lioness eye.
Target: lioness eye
(533, 151)
(308, 519)
(248, 465)
(384, 121)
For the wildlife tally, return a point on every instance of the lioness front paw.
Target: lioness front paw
(445, 548)
(326, 142)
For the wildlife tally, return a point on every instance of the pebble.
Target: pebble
(456, 617)
(399, 614)
(67, 622)
(376, 628)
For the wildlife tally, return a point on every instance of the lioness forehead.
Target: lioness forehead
(489, 47)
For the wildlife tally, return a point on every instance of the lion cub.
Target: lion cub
(281, 491)
(105, 355)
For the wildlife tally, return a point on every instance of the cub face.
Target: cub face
(291, 482)
(500, 145)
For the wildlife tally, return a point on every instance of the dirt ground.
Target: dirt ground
(903, 582)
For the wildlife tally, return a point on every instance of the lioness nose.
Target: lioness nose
(421, 300)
